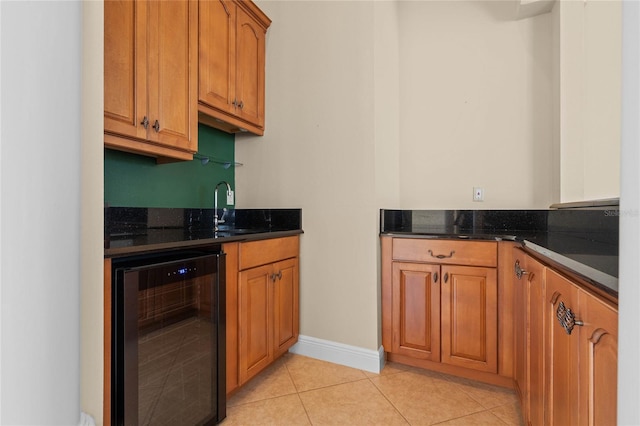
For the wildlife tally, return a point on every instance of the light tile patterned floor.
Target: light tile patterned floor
(298, 390)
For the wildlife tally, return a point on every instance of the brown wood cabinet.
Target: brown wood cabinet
(442, 309)
(262, 305)
(520, 338)
(268, 322)
(598, 361)
(469, 328)
(562, 372)
(530, 344)
(416, 310)
(582, 358)
(150, 77)
(440, 302)
(231, 82)
(565, 348)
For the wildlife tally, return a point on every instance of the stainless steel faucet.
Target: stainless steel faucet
(216, 221)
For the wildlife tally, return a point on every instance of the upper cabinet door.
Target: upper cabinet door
(231, 82)
(150, 77)
(172, 50)
(217, 56)
(125, 68)
(250, 69)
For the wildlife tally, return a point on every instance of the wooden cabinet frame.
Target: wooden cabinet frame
(564, 375)
(151, 78)
(263, 317)
(231, 81)
(425, 319)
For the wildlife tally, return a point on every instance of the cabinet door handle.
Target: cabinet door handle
(519, 271)
(567, 318)
(273, 277)
(241, 105)
(145, 122)
(446, 277)
(156, 126)
(435, 277)
(441, 256)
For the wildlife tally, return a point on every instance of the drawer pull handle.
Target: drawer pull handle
(567, 318)
(441, 256)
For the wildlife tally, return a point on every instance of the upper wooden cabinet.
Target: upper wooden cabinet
(150, 77)
(231, 82)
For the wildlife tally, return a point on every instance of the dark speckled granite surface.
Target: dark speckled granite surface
(134, 230)
(583, 240)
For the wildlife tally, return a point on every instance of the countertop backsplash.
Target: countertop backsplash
(584, 240)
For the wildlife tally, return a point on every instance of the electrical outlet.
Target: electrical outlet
(230, 198)
(478, 194)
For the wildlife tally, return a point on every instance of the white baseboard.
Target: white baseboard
(339, 353)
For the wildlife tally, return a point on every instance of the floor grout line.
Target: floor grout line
(388, 400)
(465, 388)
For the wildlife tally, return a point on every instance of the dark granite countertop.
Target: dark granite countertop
(131, 231)
(583, 240)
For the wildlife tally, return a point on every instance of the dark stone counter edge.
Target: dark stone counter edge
(205, 242)
(598, 279)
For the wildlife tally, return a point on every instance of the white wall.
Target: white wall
(92, 211)
(359, 96)
(629, 332)
(588, 67)
(475, 109)
(318, 153)
(40, 200)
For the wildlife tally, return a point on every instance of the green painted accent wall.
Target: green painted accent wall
(132, 180)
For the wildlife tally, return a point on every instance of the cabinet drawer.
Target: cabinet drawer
(472, 253)
(256, 253)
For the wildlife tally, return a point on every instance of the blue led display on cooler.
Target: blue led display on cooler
(182, 271)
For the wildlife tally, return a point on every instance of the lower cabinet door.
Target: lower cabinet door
(598, 362)
(520, 326)
(469, 298)
(268, 315)
(535, 333)
(562, 348)
(285, 306)
(416, 310)
(254, 322)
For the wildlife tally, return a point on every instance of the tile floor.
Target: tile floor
(298, 390)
